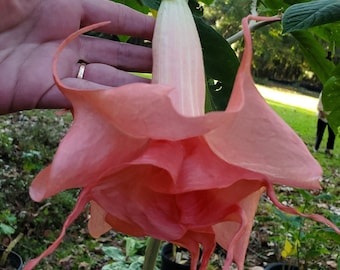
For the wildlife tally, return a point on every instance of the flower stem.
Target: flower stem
(9, 249)
(252, 28)
(151, 253)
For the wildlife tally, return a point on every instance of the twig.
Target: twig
(252, 28)
(258, 254)
(9, 249)
(253, 8)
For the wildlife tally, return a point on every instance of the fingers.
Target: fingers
(121, 55)
(109, 76)
(101, 55)
(125, 21)
(54, 99)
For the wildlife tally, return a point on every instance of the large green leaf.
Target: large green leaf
(305, 15)
(279, 4)
(220, 63)
(291, 2)
(331, 99)
(135, 4)
(154, 4)
(207, 2)
(315, 55)
(329, 33)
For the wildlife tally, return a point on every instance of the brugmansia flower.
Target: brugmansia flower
(151, 162)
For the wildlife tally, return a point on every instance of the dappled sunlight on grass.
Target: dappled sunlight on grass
(289, 97)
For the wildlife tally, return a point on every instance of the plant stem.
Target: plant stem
(151, 253)
(253, 8)
(9, 249)
(174, 251)
(252, 28)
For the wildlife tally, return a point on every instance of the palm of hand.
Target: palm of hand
(27, 50)
(26, 59)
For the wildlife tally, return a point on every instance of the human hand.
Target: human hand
(31, 31)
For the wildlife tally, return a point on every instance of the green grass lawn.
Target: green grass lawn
(301, 120)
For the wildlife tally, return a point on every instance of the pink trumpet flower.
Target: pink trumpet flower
(151, 163)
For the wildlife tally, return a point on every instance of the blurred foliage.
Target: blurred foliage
(331, 99)
(319, 47)
(277, 56)
(27, 144)
(305, 53)
(7, 222)
(302, 16)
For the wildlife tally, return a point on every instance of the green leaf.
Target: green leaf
(305, 194)
(114, 253)
(137, 263)
(195, 7)
(324, 196)
(220, 63)
(116, 266)
(135, 4)
(305, 15)
(291, 2)
(274, 4)
(6, 229)
(315, 55)
(329, 33)
(333, 120)
(331, 91)
(207, 2)
(154, 4)
(331, 99)
(130, 246)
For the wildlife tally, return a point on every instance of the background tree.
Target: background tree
(277, 56)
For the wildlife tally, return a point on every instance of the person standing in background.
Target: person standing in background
(321, 126)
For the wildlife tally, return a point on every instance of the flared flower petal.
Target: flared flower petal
(234, 235)
(257, 138)
(79, 160)
(97, 225)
